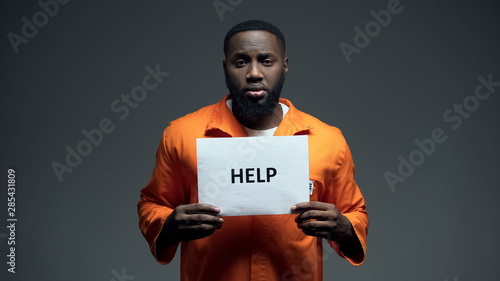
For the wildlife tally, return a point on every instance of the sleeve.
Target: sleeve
(345, 194)
(159, 197)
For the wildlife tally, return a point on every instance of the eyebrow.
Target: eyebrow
(243, 54)
(265, 55)
(240, 54)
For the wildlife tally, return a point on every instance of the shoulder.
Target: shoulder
(194, 121)
(316, 127)
(183, 131)
(322, 130)
(326, 142)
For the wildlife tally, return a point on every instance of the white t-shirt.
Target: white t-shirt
(259, 133)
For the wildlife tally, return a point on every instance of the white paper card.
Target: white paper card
(253, 175)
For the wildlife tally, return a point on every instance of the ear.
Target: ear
(285, 64)
(224, 66)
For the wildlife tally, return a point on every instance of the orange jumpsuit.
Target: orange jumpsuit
(269, 247)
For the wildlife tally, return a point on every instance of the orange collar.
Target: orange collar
(222, 122)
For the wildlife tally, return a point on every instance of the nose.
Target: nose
(254, 73)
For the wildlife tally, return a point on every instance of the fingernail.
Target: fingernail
(221, 220)
(293, 208)
(217, 209)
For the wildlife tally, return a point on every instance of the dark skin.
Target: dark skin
(255, 57)
(188, 222)
(325, 220)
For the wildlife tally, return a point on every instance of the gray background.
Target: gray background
(441, 223)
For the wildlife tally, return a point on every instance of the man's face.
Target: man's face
(255, 69)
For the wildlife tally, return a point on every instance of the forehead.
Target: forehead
(254, 41)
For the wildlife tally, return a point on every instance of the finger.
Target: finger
(313, 205)
(196, 231)
(316, 215)
(196, 208)
(197, 228)
(315, 233)
(321, 234)
(318, 226)
(201, 219)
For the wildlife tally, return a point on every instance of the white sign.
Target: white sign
(253, 175)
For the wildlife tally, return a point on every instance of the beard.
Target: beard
(249, 111)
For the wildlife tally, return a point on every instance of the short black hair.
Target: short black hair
(255, 25)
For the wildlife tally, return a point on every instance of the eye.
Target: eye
(240, 63)
(268, 62)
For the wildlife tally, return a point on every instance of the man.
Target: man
(271, 247)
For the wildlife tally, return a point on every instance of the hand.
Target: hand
(323, 220)
(192, 221)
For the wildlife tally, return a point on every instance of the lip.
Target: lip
(255, 87)
(255, 91)
(256, 94)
